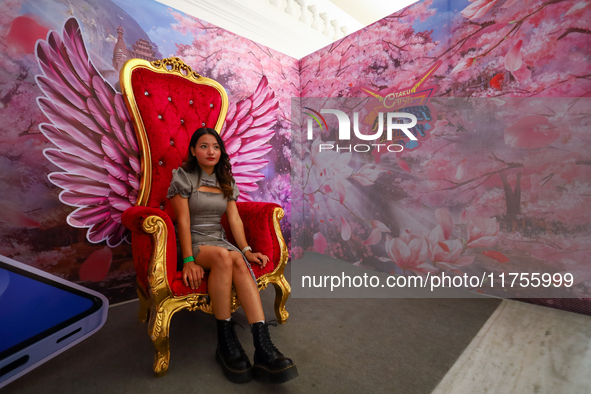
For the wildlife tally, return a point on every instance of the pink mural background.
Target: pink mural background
(34, 225)
(511, 197)
(520, 201)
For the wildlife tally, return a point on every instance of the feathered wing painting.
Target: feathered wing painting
(96, 146)
(92, 131)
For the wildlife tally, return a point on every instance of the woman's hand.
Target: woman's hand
(192, 275)
(257, 258)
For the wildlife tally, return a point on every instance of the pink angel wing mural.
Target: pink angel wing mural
(246, 133)
(96, 146)
(95, 140)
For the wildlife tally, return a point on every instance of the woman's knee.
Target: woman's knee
(223, 259)
(238, 264)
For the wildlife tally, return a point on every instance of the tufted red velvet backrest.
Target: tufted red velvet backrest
(171, 108)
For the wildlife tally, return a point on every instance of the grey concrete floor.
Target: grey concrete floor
(339, 346)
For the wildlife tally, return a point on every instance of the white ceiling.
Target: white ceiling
(266, 23)
(370, 11)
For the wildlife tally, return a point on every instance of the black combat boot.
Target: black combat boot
(270, 365)
(230, 355)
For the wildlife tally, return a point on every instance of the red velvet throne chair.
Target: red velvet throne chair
(168, 102)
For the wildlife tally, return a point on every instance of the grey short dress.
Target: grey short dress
(206, 209)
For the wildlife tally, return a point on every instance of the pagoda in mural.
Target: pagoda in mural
(142, 49)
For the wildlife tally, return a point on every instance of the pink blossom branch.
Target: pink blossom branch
(519, 23)
(28, 129)
(336, 199)
(438, 149)
(204, 59)
(332, 198)
(573, 30)
(266, 51)
(395, 46)
(475, 187)
(488, 174)
(463, 41)
(335, 45)
(308, 178)
(546, 179)
(397, 16)
(548, 87)
(342, 69)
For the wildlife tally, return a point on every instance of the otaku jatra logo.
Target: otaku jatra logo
(413, 100)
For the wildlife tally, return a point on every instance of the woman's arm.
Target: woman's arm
(192, 273)
(237, 228)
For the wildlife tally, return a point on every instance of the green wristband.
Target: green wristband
(187, 259)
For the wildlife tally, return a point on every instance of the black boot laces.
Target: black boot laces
(231, 337)
(266, 342)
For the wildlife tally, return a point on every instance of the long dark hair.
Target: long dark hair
(223, 168)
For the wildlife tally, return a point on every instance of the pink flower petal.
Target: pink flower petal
(463, 217)
(426, 267)
(374, 237)
(415, 246)
(319, 243)
(493, 254)
(345, 229)
(461, 169)
(388, 242)
(579, 6)
(443, 246)
(463, 64)
(484, 242)
(444, 218)
(367, 175)
(482, 232)
(477, 9)
(96, 267)
(436, 235)
(403, 252)
(513, 59)
(380, 226)
(403, 165)
(463, 261)
(341, 192)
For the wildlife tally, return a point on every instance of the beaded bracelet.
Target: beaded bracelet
(187, 259)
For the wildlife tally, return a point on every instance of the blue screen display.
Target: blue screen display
(29, 307)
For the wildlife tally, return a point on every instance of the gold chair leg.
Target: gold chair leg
(144, 308)
(282, 291)
(158, 329)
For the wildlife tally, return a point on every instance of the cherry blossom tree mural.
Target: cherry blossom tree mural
(501, 183)
(69, 223)
(498, 184)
